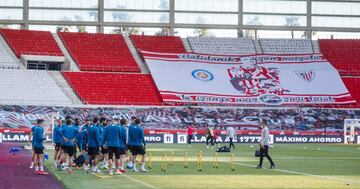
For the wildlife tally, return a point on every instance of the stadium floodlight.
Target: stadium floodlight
(350, 124)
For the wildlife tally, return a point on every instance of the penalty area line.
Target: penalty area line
(140, 182)
(302, 173)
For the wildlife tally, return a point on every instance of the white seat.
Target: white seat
(30, 87)
(222, 45)
(286, 46)
(6, 61)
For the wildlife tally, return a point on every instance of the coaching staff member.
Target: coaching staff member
(264, 144)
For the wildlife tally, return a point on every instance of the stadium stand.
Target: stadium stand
(6, 61)
(110, 53)
(286, 46)
(113, 88)
(31, 42)
(99, 52)
(344, 54)
(30, 87)
(165, 44)
(352, 84)
(222, 45)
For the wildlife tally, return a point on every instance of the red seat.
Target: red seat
(31, 42)
(352, 84)
(344, 54)
(165, 44)
(114, 89)
(100, 52)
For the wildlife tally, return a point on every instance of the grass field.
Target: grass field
(298, 166)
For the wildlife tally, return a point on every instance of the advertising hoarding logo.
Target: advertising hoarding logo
(168, 138)
(181, 139)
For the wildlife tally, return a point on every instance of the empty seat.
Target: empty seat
(286, 46)
(100, 52)
(352, 84)
(30, 87)
(164, 44)
(222, 45)
(9, 66)
(6, 60)
(31, 42)
(343, 54)
(113, 88)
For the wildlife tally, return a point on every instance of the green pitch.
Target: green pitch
(298, 166)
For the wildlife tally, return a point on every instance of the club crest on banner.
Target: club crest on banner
(271, 99)
(308, 75)
(202, 75)
(251, 79)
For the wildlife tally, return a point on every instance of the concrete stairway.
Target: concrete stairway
(142, 65)
(64, 85)
(17, 61)
(258, 47)
(73, 65)
(316, 47)
(186, 44)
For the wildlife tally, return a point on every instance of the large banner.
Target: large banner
(250, 79)
(200, 138)
(303, 121)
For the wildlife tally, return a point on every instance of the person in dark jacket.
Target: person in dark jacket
(137, 144)
(69, 133)
(57, 140)
(93, 143)
(38, 146)
(115, 140)
(264, 144)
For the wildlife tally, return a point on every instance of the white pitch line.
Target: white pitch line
(180, 158)
(317, 158)
(140, 182)
(302, 173)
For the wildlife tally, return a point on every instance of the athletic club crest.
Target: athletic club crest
(308, 75)
(251, 79)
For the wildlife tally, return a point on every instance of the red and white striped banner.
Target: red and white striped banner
(247, 79)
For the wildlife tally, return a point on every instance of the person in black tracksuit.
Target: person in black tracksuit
(209, 137)
(264, 145)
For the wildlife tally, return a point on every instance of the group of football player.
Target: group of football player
(97, 143)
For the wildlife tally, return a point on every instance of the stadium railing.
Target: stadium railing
(166, 104)
(40, 53)
(34, 103)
